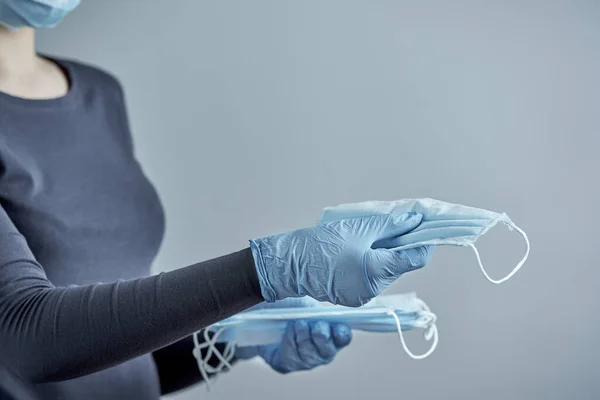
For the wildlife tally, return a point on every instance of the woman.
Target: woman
(77, 210)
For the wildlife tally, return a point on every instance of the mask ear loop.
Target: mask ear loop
(432, 332)
(224, 359)
(198, 356)
(514, 271)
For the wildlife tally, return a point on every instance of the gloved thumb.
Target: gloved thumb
(394, 225)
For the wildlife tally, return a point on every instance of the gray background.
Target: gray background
(249, 116)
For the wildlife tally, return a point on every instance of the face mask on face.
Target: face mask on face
(443, 224)
(16, 14)
(385, 314)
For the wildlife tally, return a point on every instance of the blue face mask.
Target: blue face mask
(384, 314)
(443, 224)
(16, 14)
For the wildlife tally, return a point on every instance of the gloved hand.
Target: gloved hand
(335, 261)
(305, 344)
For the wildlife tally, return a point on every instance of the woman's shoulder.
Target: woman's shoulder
(90, 74)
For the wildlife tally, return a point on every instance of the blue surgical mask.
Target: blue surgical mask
(16, 14)
(443, 224)
(384, 314)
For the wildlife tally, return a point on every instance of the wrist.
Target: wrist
(266, 289)
(276, 283)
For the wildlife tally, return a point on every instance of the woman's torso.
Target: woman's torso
(72, 187)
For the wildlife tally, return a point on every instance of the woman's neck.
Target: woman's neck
(17, 52)
(23, 73)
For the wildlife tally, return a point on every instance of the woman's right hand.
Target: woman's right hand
(335, 261)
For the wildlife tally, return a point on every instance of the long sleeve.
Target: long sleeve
(14, 388)
(53, 333)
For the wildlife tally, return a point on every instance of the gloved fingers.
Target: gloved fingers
(399, 262)
(322, 338)
(272, 355)
(394, 225)
(420, 256)
(245, 353)
(284, 357)
(305, 347)
(380, 226)
(388, 243)
(413, 259)
(342, 335)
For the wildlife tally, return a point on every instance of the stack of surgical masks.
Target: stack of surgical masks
(443, 224)
(392, 313)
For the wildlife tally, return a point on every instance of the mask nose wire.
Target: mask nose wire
(515, 269)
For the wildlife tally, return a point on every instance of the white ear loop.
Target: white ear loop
(203, 363)
(514, 271)
(430, 333)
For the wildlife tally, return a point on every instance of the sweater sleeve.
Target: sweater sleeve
(51, 333)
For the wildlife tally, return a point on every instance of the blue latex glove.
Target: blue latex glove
(335, 261)
(305, 345)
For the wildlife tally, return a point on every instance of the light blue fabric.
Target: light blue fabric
(335, 261)
(15, 14)
(442, 224)
(303, 344)
(267, 323)
(282, 334)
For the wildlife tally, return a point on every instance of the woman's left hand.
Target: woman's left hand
(305, 344)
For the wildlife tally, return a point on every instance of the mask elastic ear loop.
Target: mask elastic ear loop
(224, 359)
(514, 271)
(200, 361)
(431, 332)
